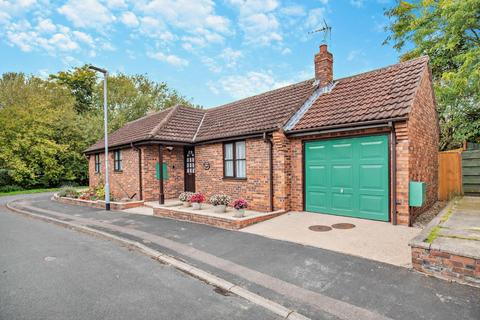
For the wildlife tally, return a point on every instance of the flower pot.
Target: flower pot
(186, 204)
(221, 208)
(196, 205)
(239, 213)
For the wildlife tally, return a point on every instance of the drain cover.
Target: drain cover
(320, 228)
(343, 226)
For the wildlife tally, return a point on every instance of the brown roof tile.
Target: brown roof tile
(377, 95)
(265, 111)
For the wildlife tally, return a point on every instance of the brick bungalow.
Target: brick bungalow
(348, 146)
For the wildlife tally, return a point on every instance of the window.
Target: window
(97, 163)
(117, 157)
(234, 160)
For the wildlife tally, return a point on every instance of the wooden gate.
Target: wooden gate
(449, 174)
(471, 172)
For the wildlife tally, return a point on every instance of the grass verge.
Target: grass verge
(12, 193)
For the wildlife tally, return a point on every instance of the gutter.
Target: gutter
(345, 127)
(270, 171)
(140, 178)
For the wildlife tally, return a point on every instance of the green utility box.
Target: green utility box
(165, 171)
(417, 193)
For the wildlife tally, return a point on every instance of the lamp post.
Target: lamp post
(105, 124)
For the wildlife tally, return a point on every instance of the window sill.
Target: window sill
(234, 179)
(118, 171)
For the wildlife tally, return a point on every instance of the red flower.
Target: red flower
(240, 204)
(197, 197)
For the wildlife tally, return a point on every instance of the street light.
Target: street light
(105, 124)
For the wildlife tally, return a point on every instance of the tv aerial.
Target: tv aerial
(326, 30)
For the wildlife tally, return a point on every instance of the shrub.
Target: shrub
(220, 199)
(68, 191)
(185, 196)
(10, 188)
(240, 204)
(197, 197)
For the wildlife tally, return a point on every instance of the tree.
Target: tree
(40, 140)
(81, 82)
(449, 33)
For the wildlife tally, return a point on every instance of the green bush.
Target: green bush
(10, 188)
(5, 178)
(68, 191)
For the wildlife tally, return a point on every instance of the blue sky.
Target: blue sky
(210, 51)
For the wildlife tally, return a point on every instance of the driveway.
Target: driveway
(318, 283)
(376, 240)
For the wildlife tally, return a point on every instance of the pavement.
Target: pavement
(457, 229)
(369, 239)
(317, 283)
(49, 272)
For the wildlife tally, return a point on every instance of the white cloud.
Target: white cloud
(357, 3)
(241, 86)
(46, 25)
(130, 19)
(258, 21)
(86, 13)
(12, 8)
(286, 51)
(295, 10)
(196, 17)
(63, 42)
(169, 58)
(230, 56)
(155, 28)
(354, 54)
(116, 4)
(83, 37)
(4, 17)
(315, 17)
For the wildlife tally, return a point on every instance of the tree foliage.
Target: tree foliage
(46, 124)
(448, 32)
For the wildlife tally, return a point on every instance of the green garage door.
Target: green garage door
(348, 177)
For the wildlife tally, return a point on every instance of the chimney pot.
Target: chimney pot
(323, 66)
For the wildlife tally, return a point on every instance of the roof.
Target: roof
(262, 112)
(178, 124)
(381, 94)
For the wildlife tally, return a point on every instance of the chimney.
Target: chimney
(324, 66)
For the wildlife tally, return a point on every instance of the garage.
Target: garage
(348, 177)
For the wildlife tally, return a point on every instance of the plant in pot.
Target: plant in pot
(197, 199)
(240, 205)
(220, 202)
(184, 197)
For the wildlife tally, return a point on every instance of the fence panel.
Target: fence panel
(471, 172)
(449, 174)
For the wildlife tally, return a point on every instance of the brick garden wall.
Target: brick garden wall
(423, 133)
(447, 266)
(254, 189)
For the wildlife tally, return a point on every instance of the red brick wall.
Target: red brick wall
(126, 183)
(446, 266)
(254, 189)
(123, 184)
(175, 183)
(281, 171)
(423, 133)
(402, 156)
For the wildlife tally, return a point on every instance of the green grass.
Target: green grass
(12, 193)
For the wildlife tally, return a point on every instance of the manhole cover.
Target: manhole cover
(343, 226)
(319, 228)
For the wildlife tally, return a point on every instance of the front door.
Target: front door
(189, 169)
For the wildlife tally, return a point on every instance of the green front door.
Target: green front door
(348, 177)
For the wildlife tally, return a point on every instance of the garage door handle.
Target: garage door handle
(341, 190)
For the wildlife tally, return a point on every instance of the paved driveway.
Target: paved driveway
(318, 283)
(376, 240)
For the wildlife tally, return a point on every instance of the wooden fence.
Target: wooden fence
(449, 174)
(471, 172)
